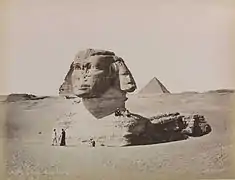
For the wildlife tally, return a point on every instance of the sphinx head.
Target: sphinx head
(94, 72)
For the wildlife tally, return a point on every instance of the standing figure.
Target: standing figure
(62, 138)
(54, 138)
(92, 142)
(118, 112)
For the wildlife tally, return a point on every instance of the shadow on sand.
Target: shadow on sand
(163, 138)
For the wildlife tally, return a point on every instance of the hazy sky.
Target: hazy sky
(186, 44)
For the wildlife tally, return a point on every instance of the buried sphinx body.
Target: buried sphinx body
(101, 79)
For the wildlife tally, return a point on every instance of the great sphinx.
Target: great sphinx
(101, 79)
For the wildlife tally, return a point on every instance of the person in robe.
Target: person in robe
(54, 138)
(62, 138)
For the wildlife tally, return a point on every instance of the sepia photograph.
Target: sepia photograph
(117, 90)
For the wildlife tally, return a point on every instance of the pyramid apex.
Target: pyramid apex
(155, 78)
(154, 86)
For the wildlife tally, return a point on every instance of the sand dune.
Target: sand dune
(29, 152)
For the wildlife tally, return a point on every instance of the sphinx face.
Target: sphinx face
(91, 77)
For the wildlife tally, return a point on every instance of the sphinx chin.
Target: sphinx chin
(87, 94)
(81, 93)
(101, 105)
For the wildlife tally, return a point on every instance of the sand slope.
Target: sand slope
(30, 154)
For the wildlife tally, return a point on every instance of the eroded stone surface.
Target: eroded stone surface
(93, 72)
(102, 80)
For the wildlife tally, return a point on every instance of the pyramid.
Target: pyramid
(154, 86)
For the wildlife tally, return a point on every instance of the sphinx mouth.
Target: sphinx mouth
(85, 86)
(83, 89)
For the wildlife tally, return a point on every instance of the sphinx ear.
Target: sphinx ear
(67, 88)
(126, 80)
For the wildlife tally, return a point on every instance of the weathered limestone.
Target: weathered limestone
(95, 71)
(101, 79)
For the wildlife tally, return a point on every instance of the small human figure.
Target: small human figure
(92, 142)
(189, 130)
(54, 138)
(127, 113)
(62, 138)
(118, 112)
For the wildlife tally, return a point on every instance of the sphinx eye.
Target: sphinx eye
(88, 65)
(99, 66)
(77, 67)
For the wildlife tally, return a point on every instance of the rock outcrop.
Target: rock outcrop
(19, 97)
(23, 97)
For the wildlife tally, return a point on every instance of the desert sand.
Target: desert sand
(29, 154)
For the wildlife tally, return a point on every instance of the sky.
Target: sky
(186, 44)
